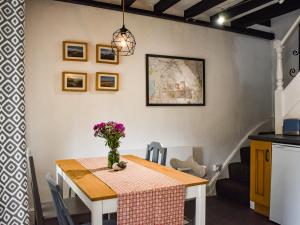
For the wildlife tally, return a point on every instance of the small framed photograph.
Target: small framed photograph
(73, 81)
(106, 54)
(107, 81)
(75, 51)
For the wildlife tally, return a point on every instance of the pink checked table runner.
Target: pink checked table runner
(145, 197)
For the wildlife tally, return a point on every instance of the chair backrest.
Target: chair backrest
(39, 218)
(62, 212)
(155, 148)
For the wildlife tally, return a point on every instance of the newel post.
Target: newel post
(279, 104)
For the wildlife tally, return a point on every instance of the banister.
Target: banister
(213, 180)
(279, 98)
(290, 31)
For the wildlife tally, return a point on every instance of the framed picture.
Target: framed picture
(174, 81)
(107, 81)
(75, 51)
(106, 54)
(73, 81)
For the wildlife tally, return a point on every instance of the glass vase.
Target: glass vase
(113, 157)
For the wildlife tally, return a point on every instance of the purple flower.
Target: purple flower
(120, 127)
(110, 130)
(101, 125)
(96, 127)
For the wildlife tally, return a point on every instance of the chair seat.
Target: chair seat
(77, 209)
(109, 222)
(79, 212)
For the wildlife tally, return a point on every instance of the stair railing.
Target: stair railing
(213, 180)
(279, 100)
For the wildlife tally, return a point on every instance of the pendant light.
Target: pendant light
(221, 20)
(123, 39)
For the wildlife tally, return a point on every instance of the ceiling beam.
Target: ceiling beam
(267, 13)
(94, 3)
(163, 5)
(128, 3)
(239, 9)
(103, 5)
(201, 7)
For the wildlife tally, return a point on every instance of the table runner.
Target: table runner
(145, 197)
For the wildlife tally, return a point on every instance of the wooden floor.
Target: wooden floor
(221, 211)
(224, 212)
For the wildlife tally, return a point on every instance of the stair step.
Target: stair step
(266, 132)
(239, 172)
(245, 155)
(233, 190)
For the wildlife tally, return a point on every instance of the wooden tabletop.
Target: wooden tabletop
(95, 189)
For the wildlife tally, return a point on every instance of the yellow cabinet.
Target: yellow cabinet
(260, 182)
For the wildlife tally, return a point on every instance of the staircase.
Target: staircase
(237, 186)
(287, 100)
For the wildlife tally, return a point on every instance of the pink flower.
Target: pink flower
(96, 127)
(120, 127)
(99, 126)
(102, 125)
(109, 130)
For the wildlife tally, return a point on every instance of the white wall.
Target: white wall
(59, 124)
(291, 99)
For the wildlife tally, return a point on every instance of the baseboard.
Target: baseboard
(252, 205)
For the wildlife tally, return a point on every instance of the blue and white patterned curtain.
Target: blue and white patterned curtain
(13, 166)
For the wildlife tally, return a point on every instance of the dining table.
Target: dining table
(101, 199)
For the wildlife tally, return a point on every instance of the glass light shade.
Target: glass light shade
(124, 41)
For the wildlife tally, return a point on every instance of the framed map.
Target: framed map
(174, 81)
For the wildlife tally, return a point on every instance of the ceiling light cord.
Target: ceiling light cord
(123, 4)
(123, 42)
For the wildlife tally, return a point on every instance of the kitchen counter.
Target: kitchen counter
(277, 138)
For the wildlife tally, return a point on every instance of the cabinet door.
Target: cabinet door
(261, 158)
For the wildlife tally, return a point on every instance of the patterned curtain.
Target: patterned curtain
(13, 166)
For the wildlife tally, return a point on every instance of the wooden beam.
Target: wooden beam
(128, 3)
(163, 5)
(201, 7)
(267, 13)
(249, 32)
(94, 3)
(243, 7)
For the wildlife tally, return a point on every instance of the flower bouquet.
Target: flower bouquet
(112, 132)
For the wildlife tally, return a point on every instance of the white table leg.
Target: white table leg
(59, 181)
(200, 205)
(97, 213)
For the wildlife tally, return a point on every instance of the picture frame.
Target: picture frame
(107, 81)
(174, 81)
(105, 54)
(74, 81)
(75, 51)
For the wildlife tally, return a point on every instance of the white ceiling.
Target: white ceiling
(178, 8)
